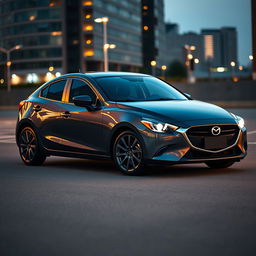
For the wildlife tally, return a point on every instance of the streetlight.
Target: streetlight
(197, 61)
(164, 68)
(110, 46)
(190, 62)
(9, 63)
(153, 65)
(251, 64)
(104, 21)
(233, 64)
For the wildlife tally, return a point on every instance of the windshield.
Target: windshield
(138, 88)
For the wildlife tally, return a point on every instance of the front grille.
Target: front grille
(196, 154)
(199, 134)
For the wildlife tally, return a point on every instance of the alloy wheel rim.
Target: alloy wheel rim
(27, 145)
(128, 153)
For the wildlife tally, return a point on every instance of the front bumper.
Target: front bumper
(177, 148)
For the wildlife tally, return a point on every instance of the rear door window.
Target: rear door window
(54, 91)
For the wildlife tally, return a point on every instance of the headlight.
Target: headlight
(159, 127)
(240, 123)
(239, 120)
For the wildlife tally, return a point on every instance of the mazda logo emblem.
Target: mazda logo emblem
(216, 130)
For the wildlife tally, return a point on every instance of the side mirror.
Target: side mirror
(83, 101)
(188, 95)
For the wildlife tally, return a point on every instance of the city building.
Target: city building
(153, 34)
(212, 47)
(253, 57)
(123, 29)
(176, 44)
(220, 46)
(172, 28)
(229, 46)
(37, 27)
(61, 36)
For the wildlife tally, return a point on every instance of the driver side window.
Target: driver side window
(79, 88)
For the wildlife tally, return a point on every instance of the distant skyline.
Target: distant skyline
(198, 14)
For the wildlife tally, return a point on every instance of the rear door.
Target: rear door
(48, 114)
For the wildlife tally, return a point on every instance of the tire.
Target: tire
(220, 164)
(128, 153)
(31, 152)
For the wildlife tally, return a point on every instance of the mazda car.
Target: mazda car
(133, 119)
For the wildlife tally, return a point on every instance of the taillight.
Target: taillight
(21, 104)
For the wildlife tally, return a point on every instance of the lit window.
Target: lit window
(209, 47)
(145, 28)
(88, 41)
(145, 7)
(87, 3)
(55, 3)
(32, 17)
(88, 53)
(15, 79)
(56, 33)
(88, 16)
(88, 27)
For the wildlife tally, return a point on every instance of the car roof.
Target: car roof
(103, 74)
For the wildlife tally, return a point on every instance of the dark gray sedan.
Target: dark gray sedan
(134, 119)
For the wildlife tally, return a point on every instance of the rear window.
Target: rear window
(54, 91)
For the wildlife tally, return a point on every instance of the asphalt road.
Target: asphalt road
(80, 207)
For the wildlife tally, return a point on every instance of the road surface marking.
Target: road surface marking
(252, 132)
(7, 131)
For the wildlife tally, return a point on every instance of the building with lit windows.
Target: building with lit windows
(37, 26)
(253, 56)
(153, 34)
(123, 29)
(61, 36)
(176, 43)
(220, 46)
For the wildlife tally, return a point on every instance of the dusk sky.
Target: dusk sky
(192, 15)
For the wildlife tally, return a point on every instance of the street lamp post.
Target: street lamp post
(9, 63)
(233, 64)
(104, 21)
(153, 66)
(164, 67)
(251, 64)
(189, 60)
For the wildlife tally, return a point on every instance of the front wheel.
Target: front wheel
(128, 153)
(220, 164)
(30, 150)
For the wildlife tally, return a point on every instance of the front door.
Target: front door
(82, 127)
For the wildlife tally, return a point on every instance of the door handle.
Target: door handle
(37, 108)
(66, 114)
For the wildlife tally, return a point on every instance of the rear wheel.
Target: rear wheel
(128, 153)
(220, 164)
(30, 150)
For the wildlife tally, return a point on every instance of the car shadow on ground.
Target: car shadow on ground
(107, 167)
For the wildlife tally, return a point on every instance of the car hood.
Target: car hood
(182, 112)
